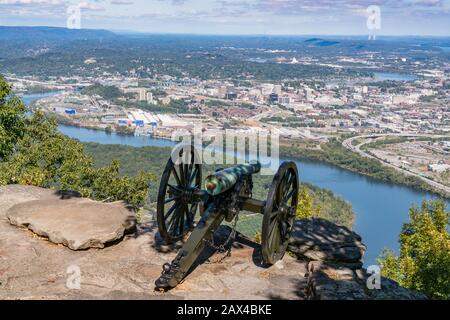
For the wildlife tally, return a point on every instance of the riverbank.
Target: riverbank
(332, 153)
(363, 148)
(335, 154)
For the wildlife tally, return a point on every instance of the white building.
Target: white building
(439, 168)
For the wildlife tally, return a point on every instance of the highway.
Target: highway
(348, 143)
(49, 84)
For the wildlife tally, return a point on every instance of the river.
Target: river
(381, 208)
(391, 76)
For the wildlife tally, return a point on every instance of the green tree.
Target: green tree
(306, 207)
(41, 156)
(106, 92)
(424, 261)
(12, 112)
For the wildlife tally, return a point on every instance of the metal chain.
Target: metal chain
(229, 242)
(232, 236)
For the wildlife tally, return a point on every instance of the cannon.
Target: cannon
(182, 200)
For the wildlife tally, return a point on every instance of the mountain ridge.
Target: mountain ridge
(52, 33)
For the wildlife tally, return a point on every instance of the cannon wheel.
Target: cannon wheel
(177, 204)
(279, 213)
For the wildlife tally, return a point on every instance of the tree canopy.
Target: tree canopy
(34, 152)
(424, 260)
(12, 120)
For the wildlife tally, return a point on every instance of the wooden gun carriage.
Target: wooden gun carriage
(226, 193)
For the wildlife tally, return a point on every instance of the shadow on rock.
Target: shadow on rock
(67, 194)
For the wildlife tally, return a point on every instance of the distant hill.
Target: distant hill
(321, 42)
(51, 34)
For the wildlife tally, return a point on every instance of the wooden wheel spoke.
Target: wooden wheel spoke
(175, 174)
(193, 176)
(191, 164)
(176, 189)
(277, 200)
(286, 184)
(171, 199)
(289, 195)
(182, 174)
(290, 179)
(282, 188)
(186, 174)
(173, 218)
(276, 239)
(179, 217)
(271, 235)
(284, 181)
(170, 211)
(182, 217)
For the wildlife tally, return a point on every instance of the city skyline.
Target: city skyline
(270, 17)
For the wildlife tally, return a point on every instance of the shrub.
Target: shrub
(424, 261)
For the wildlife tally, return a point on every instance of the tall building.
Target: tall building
(277, 89)
(284, 100)
(149, 97)
(309, 95)
(222, 91)
(273, 98)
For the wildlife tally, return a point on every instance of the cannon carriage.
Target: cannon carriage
(182, 200)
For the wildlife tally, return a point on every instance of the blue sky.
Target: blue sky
(398, 17)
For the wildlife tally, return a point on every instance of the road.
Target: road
(348, 143)
(49, 84)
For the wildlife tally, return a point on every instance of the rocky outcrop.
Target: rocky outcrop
(321, 240)
(335, 282)
(76, 223)
(31, 267)
(335, 264)
(14, 194)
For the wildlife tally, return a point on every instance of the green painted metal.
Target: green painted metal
(224, 180)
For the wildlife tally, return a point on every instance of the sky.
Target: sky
(268, 17)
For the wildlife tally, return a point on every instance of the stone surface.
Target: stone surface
(77, 223)
(321, 240)
(14, 194)
(33, 268)
(334, 282)
(328, 282)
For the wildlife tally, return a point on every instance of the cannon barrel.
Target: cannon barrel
(223, 180)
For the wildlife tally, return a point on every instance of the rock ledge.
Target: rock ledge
(77, 223)
(31, 268)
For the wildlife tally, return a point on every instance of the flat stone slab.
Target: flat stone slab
(321, 240)
(77, 223)
(14, 194)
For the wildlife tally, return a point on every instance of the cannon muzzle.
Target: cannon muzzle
(224, 180)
